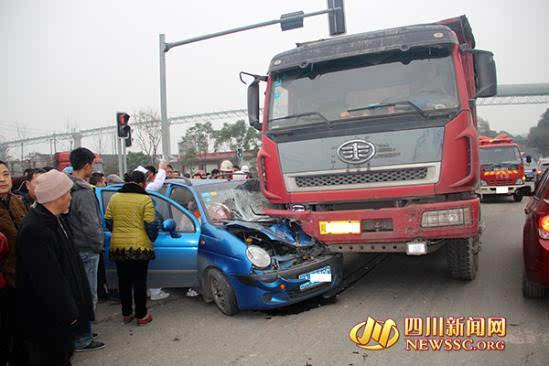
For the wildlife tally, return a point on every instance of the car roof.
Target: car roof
(195, 182)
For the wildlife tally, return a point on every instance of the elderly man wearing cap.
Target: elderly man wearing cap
(54, 302)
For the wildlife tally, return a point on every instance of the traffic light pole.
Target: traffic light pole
(119, 150)
(165, 124)
(287, 22)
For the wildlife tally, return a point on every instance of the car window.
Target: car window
(183, 196)
(165, 210)
(182, 222)
(106, 197)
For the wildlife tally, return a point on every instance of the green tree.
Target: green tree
(539, 135)
(237, 135)
(134, 159)
(196, 141)
(484, 128)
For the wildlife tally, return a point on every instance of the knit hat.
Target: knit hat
(51, 185)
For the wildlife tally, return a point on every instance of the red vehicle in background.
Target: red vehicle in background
(370, 140)
(536, 241)
(62, 160)
(502, 168)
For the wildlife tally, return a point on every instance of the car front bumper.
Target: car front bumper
(274, 289)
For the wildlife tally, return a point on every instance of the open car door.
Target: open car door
(175, 247)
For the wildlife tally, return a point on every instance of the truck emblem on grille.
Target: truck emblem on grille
(356, 151)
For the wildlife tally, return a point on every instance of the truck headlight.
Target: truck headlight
(458, 216)
(258, 256)
(519, 181)
(483, 183)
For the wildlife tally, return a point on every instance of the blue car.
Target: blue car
(215, 238)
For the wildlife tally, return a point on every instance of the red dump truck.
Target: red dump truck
(370, 140)
(502, 168)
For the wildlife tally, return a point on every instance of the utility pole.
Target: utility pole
(286, 21)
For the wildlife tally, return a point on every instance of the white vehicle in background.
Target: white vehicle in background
(543, 164)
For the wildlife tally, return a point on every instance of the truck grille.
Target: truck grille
(400, 175)
(500, 182)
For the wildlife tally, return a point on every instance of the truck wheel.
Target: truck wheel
(531, 290)
(222, 292)
(462, 258)
(517, 196)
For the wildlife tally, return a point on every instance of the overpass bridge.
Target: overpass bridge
(510, 94)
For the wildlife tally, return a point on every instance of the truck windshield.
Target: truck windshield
(417, 81)
(500, 155)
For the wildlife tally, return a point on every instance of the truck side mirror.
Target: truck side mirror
(486, 76)
(528, 159)
(253, 104)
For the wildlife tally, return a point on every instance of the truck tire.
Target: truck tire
(517, 196)
(462, 258)
(222, 292)
(531, 290)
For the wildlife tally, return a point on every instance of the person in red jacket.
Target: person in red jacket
(12, 212)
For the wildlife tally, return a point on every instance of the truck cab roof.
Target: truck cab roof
(450, 31)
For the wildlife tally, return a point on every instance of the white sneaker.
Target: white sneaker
(192, 293)
(158, 294)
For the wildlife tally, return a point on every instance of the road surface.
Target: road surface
(186, 331)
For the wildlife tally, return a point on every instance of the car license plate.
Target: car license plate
(502, 190)
(339, 227)
(316, 277)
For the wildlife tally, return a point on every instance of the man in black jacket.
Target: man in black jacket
(54, 301)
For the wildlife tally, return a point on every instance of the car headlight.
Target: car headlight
(519, 181)
(483, 183)
(258, 256)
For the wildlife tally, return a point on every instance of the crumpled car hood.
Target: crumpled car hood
(281, 231)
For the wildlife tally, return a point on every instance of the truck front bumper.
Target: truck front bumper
(405, 226)
(503, 190)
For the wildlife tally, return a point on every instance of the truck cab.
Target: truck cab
(501, 168)
(370, 140)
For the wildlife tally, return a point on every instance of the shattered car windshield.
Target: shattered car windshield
(235, 200)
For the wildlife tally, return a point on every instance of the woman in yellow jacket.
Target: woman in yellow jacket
(130, 217)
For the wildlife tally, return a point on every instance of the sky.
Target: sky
(76, 63)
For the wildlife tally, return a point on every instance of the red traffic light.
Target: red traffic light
(122, 124)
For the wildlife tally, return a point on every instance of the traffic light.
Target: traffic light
(128, 140)
(336, 18)
(122, 124)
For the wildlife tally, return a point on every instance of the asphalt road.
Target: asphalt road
(186, 331)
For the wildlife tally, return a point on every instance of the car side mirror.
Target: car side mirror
(169, 225)
(528, 159)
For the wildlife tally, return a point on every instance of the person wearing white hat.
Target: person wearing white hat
(155, 181)
(54, 301)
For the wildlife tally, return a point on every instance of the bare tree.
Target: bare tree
(148, 132)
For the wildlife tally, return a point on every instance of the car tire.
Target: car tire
(531, 290)
(517, 197)
(222, 292)
(462, 258)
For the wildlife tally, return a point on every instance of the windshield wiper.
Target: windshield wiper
(391, 104)
(301, 115)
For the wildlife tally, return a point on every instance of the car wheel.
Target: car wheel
(531, 290)
(462, 258)
(517, 197)
(222, 292)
